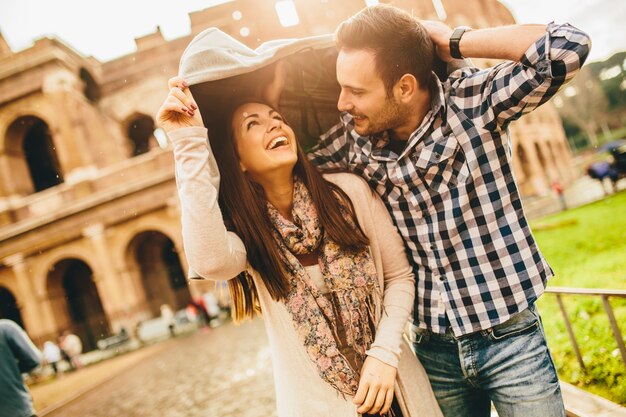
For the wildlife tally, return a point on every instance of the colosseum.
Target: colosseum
(89, 218)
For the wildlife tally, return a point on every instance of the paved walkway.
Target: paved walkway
(225, 372)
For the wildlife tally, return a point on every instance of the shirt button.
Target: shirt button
(437, 156)
(442, 278)
(432, 247)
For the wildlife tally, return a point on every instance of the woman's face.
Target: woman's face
(266, 144)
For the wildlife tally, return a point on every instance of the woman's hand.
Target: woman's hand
(179, 108)
(375, 392)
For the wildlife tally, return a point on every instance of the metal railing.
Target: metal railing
(605, 295)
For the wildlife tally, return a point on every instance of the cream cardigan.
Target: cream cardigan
(214, 253)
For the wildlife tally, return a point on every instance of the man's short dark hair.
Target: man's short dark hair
(399, 42)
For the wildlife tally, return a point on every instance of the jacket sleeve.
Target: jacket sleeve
(399, 291)
(212, 252)
(27, 355)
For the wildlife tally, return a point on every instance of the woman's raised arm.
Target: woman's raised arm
(212, 252)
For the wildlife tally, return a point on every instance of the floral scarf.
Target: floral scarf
(351, 279)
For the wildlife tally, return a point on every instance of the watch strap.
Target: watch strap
(455, 40)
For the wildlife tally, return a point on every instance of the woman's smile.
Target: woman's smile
(278, 143)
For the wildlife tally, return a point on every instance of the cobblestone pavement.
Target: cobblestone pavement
(223, 373)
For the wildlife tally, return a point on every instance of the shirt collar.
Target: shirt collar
(437, 94)
(436, 107)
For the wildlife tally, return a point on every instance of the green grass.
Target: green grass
(586, 247)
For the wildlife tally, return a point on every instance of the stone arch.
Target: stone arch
(139, 130)
(9, 306)
(39, 109)
(553, 144)
(153, 256)
(126, 234)
(75, 301)
(32, 157)
(46, 261)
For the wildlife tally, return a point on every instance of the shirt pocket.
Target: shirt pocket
(442, 165)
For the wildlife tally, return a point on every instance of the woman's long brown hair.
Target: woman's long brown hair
(243, 206)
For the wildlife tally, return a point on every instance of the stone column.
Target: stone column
(138, 305)
(36, 323)
(538, 175)
(71, 134)
(551, 162)
(113, 295)
(564, 161)
(572, 172)
(15, 176)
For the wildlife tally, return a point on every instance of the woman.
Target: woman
(318, 255)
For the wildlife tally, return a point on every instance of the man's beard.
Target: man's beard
(390, 116)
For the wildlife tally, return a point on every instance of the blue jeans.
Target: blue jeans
(508, 364)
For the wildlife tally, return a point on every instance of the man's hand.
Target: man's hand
(440, 34)
(375, 392)
(179, 108)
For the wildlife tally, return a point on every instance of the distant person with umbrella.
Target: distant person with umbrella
(610, 169)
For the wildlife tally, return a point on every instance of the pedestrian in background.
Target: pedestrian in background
(560, 193)
(17, 355)
(52, 355)
(167, 315)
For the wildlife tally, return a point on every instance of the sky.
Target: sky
(107, 29)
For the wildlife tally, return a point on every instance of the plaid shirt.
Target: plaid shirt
(452, 193)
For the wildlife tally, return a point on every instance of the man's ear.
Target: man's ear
(406, 87)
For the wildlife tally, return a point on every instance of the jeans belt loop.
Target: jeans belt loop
(422, 337)
(419, 335)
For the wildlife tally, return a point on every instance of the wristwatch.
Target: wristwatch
(455, 39)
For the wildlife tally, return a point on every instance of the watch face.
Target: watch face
(459, 31)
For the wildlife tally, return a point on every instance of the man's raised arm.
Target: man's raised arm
(541, 60)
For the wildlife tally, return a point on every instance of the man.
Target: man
(17, 355)
(440, 157)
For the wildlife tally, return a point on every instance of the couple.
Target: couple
(335, 270)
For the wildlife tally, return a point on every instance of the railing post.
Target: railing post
(617, 334)
(570, 332)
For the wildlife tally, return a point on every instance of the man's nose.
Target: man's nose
(343, 104)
